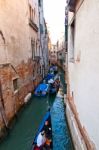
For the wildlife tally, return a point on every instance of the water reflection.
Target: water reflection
(61, 135)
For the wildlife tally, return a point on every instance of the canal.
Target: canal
(28, 120)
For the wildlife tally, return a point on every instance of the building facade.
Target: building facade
(46, 48)
(20, 55)
(35, 40)
(43, 40)
(83, 71)
(61, 52)
(53, 54)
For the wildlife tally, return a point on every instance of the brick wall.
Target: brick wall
(13, 100)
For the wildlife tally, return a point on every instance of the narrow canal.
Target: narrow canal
(28, 120)
(61, 135)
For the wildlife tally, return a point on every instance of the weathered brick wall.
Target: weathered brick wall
(15, 54)
(14, 100)
(1, 121)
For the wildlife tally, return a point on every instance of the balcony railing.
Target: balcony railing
(33, 25)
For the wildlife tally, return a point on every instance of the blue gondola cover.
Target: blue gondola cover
(41, 90)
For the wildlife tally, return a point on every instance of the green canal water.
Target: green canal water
(61, 135)
(28, 120)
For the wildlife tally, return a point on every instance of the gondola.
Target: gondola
(47, 117)
(54, 69)
(54, 86)
(52, 90)
(41, 90)
(49, 76)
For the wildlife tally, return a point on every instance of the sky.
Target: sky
(54, 12)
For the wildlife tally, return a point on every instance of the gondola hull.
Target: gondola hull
(47, 117)
(54, 87)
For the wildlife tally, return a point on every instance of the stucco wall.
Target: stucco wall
(76, 135)
(34, 5)
(84, 74)
(15, 56)
(43, 40)
(14, 26)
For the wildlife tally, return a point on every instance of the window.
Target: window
(1, 96)
(36, 49)
(33, 73)
(33, 48)
(15, 84)
(72, 38)
(72, 32)
(39, 2)
(41, 28)
(39, 50)
(32, 13)
(39, 16)
(40, 70)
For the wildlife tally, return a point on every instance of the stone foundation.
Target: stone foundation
(76, 136)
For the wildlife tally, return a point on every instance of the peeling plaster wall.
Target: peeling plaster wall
(34, 4)
(84, 74)
(15, 55)
(14, 26)
(32, 33)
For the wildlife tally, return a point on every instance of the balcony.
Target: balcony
(71, 5)
(33, 25)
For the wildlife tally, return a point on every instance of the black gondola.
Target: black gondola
(47, 117)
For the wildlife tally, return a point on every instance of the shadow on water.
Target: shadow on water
(28, 120)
